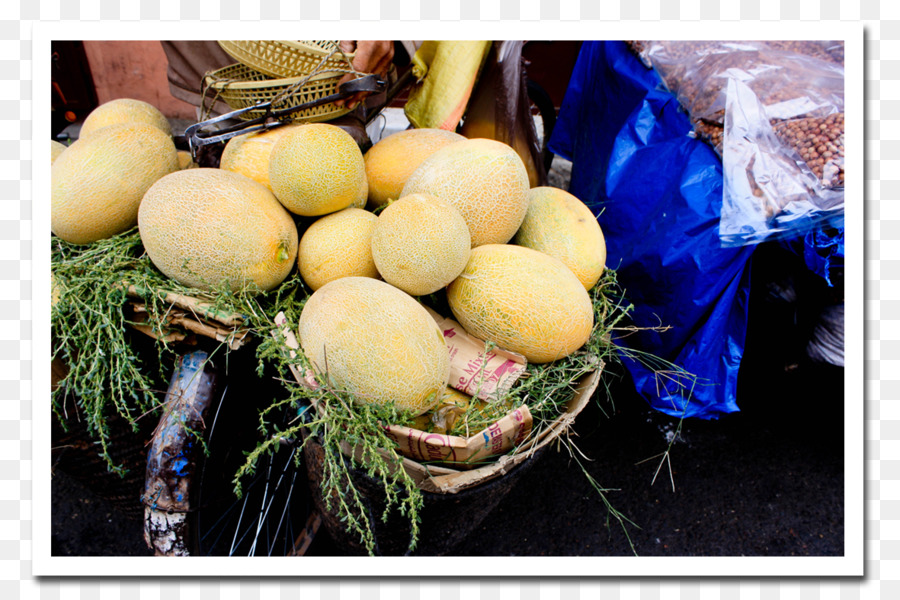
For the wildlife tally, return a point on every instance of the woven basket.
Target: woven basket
(455, 502)
(239, 86)
(281, 59)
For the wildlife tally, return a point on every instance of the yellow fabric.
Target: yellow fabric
(446, 73)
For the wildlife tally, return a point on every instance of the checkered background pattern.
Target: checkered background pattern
(882, 296)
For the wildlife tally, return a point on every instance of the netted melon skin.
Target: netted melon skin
(391, 161)
(96, 185)
(524, 301)
(186, 160)
(420, 244)
(56, 149)
(124, 110)
(207, 227)
(338, 245)
(485, 179)
(376, 342)
(317, 169)
(559, 224)
(249, 154)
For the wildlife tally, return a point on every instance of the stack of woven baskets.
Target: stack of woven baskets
(286, 73)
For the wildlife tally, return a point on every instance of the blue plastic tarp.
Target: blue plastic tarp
(658, 195)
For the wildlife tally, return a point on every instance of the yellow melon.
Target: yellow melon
(186, 161)
(207, 227)
(56, 148)
(249, 154)
(317, 169)
(559, 224)
(524, 300)
(359, 203)
(337, 245)
(96, 185)
(391, 161)
(376, 342)
(124, 110)
(485, 179)
(420, 244)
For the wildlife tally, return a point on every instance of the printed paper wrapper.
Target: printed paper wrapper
(471, 372)
(498, 438)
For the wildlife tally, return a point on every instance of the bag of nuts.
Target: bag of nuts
(780, 179)
(773, 110)
(806, 75)
(819, 141)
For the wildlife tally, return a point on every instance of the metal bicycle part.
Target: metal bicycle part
(174, 455)
(190, 504)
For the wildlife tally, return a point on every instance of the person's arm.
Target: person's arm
(372, 56)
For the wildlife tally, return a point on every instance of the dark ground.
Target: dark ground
(767, 480)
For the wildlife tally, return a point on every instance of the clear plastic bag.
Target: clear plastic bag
(773, 111)
(790, 78)
(770, 190)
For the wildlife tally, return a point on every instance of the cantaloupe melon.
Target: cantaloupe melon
(124, 110)
(391, 161)
(376, 342)
(559, 224)
(56, 148)
(337, 245)
(524, 300)
(249, 154)
(485, 179)
(317, 169)
(96, 185)
(186, 161)
(207, 227)
(420, 244)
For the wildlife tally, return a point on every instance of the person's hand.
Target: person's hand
(371, 57)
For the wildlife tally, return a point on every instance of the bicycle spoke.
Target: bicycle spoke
(264, 509)
(287, 504)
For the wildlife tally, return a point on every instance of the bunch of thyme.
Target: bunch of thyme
(92, 287)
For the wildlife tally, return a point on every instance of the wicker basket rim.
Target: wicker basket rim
(301, 46)
(285, 58)
(268, 83)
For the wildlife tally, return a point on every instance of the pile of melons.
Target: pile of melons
(422, 212)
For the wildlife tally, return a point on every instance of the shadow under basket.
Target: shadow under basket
(455, 503)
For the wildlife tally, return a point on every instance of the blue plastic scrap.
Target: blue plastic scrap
(822, 250)
(657, 192)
